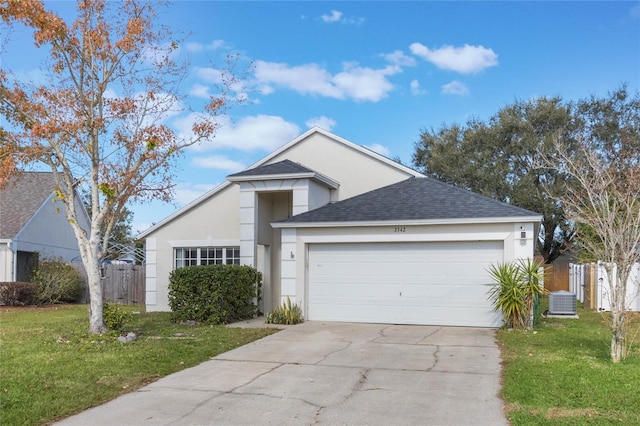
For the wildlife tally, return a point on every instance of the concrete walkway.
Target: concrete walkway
(328, 374)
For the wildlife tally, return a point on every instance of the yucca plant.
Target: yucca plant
(287, 314)
(530, 270)
(516, 286)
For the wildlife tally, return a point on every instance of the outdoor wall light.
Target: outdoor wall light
(293, 256)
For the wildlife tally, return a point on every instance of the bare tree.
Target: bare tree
(603, 196)
(99, 121)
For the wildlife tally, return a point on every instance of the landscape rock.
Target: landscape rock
(130, 337)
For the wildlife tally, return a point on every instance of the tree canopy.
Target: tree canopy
(495, 159)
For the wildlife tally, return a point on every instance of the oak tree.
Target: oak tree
(495, 159)
(100, 119)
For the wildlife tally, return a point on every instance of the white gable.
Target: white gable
(355, 168)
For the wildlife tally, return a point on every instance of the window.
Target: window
(210, 256)
(189, 256)
(233, 256)
(186, 257)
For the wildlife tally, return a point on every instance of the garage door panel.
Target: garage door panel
(411, 283)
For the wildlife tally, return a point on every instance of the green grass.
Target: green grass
(561, 374)
(51, 368)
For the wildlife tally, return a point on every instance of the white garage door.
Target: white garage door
(403, 283)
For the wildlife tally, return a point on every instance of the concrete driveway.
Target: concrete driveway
(328, 373)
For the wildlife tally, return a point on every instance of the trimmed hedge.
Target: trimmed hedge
(214, 294)
(18, 293)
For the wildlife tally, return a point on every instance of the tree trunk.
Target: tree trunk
(96, 320)
(618, 342)
(90, 254)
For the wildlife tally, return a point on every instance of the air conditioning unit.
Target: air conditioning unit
(562, 303)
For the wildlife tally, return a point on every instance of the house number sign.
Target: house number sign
(399, 229)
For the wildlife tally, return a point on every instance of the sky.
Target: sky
(377, 73)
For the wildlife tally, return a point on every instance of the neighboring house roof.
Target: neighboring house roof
(20, 199)
(414, 199)
(285, 169)
(266, 159)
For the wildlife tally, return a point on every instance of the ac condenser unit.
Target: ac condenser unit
(562, 303)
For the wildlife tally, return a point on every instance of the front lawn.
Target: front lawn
(561, 373)
(51, 368)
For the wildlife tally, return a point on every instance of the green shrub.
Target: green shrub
(214, 294)
(287, 314)
(18, 293)
(517, 285)
(115, 317)
(58, 282)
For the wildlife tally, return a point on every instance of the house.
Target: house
(33, 226)
(349, 235)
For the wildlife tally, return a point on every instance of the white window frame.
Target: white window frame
(202, 256)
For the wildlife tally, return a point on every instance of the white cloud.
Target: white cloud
(265, 89)
(210, 75)
(380, 149)
(415, 88)
(399, 58)
(183, 125)
(323, 122)
(305, 79)
(216, 77)
(200, 91)
(110, 94)
(219, 162)
(252, 133)
(335, 16)
(358, 83)
(455, 88)
(466, 59)
(365, 84)
(199, 47)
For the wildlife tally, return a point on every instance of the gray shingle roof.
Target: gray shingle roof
(285, 167)
(413, 199)
(20, 199)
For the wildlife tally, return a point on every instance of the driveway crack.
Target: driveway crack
(429, 335)
(435, 358)
(358, 386)
(381, 333)
(219, 393)
(333, 352)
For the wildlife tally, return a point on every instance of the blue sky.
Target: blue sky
(377, 73)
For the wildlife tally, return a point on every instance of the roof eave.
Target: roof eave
(413, 222)
(311, 175)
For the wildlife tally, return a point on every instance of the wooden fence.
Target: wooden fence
(123, 283)
(556, 277)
